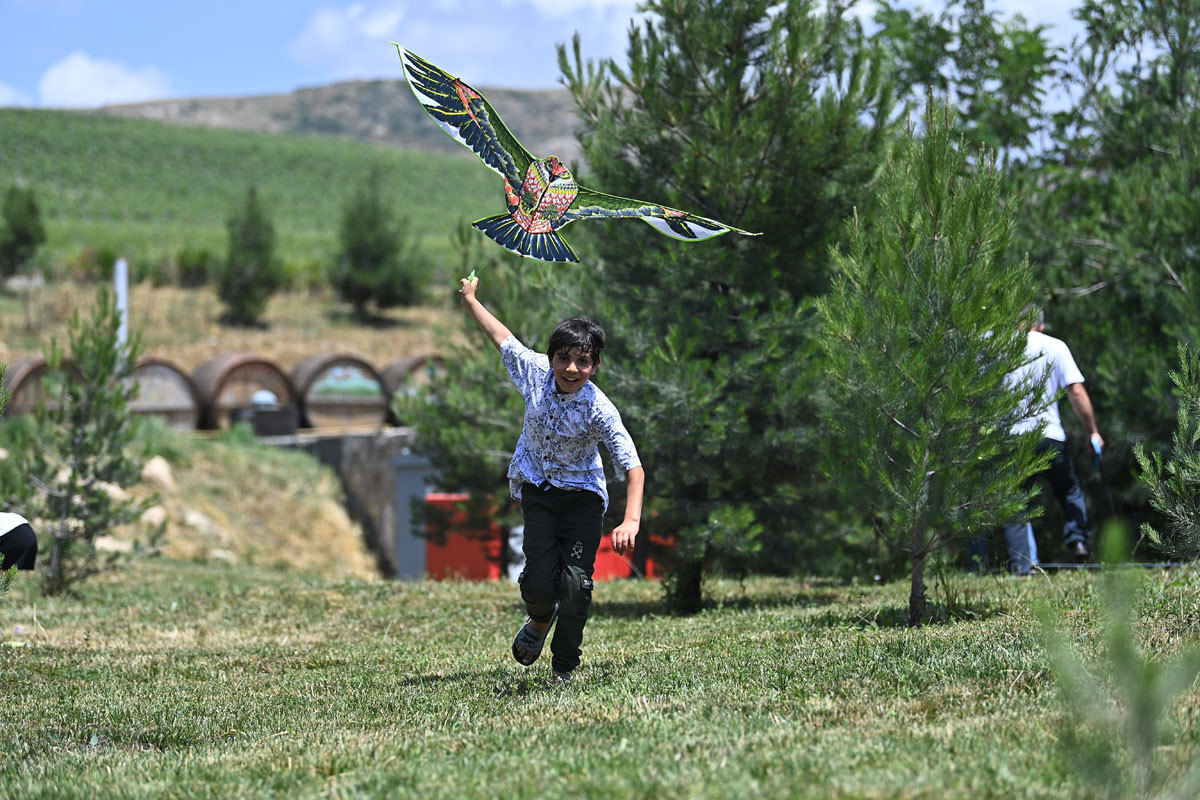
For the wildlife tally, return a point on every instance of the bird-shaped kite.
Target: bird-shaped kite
(540, 192)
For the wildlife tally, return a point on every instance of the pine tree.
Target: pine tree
(1111, 219)
(80, 449)
(250, 273)
(22, 232)
(379, 262)
(921, 330)
(1174, 482)
(772, 117)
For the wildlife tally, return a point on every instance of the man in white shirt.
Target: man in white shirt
(1050, 360)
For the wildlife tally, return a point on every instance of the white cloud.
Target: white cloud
(350, 42)
(80, 81)
(12, 97)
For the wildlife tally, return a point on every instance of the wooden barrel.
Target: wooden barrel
(409, 374)
(228, 383)
(23, 380)
(337, 389)
(166, 392)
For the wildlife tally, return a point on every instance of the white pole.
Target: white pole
(121, 280)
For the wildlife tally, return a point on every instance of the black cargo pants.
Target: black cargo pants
(562, 534)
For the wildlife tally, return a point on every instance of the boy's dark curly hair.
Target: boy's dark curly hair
(581, 332)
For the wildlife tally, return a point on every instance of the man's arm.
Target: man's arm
(487, 323)
(624, 534)
(1082, 405)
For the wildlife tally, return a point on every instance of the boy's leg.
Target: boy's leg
(539, 580)
(580, 523)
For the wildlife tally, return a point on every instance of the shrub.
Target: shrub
(80, 449)
(250, 273)
(1174, 483)
(194, 266)
(379, 262)
(23, 232)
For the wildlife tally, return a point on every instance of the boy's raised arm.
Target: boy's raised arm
(494, 328)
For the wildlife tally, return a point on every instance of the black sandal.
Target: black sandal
(531, 641)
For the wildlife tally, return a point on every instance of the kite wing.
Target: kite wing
(677, 224)
(465, 115)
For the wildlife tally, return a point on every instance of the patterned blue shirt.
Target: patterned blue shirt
(559, 440)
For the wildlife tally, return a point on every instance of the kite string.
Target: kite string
(495, 252)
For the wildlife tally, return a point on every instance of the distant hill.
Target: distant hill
(382, 111)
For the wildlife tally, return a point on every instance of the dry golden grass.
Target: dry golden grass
(184, 325)
(248, 505)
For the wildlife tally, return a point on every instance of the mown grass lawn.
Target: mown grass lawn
(174, 679)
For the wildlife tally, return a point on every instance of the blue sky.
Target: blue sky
(86, 53)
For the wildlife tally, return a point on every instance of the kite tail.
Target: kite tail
(507, 233)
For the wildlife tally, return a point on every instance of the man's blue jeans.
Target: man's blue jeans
(1060, 475)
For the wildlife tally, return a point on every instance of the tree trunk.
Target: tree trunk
(916, 597)
(689, 576)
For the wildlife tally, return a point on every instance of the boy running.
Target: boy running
(557, 475)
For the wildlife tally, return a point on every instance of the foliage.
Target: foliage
(921, 331)
(1174, 483)
(379, 261)
(152, 188)
(995, 73)
(23, 231)
(78, 450)
(469, 424)
(770, 117)
(1120, 707)
(250, 273)
(194, 266)
(1110, 220)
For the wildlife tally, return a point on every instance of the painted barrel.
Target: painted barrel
(409, 374)
(338, 389)
(167, 392)
(23, 380)
(233, 386)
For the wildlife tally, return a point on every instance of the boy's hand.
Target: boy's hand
(623, 537)
(467, 290)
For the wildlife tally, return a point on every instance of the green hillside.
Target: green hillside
(147, 189)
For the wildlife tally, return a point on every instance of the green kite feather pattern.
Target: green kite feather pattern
(541, 194)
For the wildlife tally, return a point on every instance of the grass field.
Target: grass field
(146, 190)
(186, 680)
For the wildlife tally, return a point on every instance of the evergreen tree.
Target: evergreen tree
(80, 448)
(922, 332)
(22, 232)
(772, 117)
(995, 72)
(1174, 483)
(1111, 220)
(250, 273)
(379, 262)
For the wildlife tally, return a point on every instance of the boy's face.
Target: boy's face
(573, 368)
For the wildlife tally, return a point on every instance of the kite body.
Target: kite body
(540, 193)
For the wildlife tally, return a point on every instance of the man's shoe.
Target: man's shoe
(1080, 551)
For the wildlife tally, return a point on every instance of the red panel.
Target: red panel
(656, 560)
(609, 565)
(468, 553)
